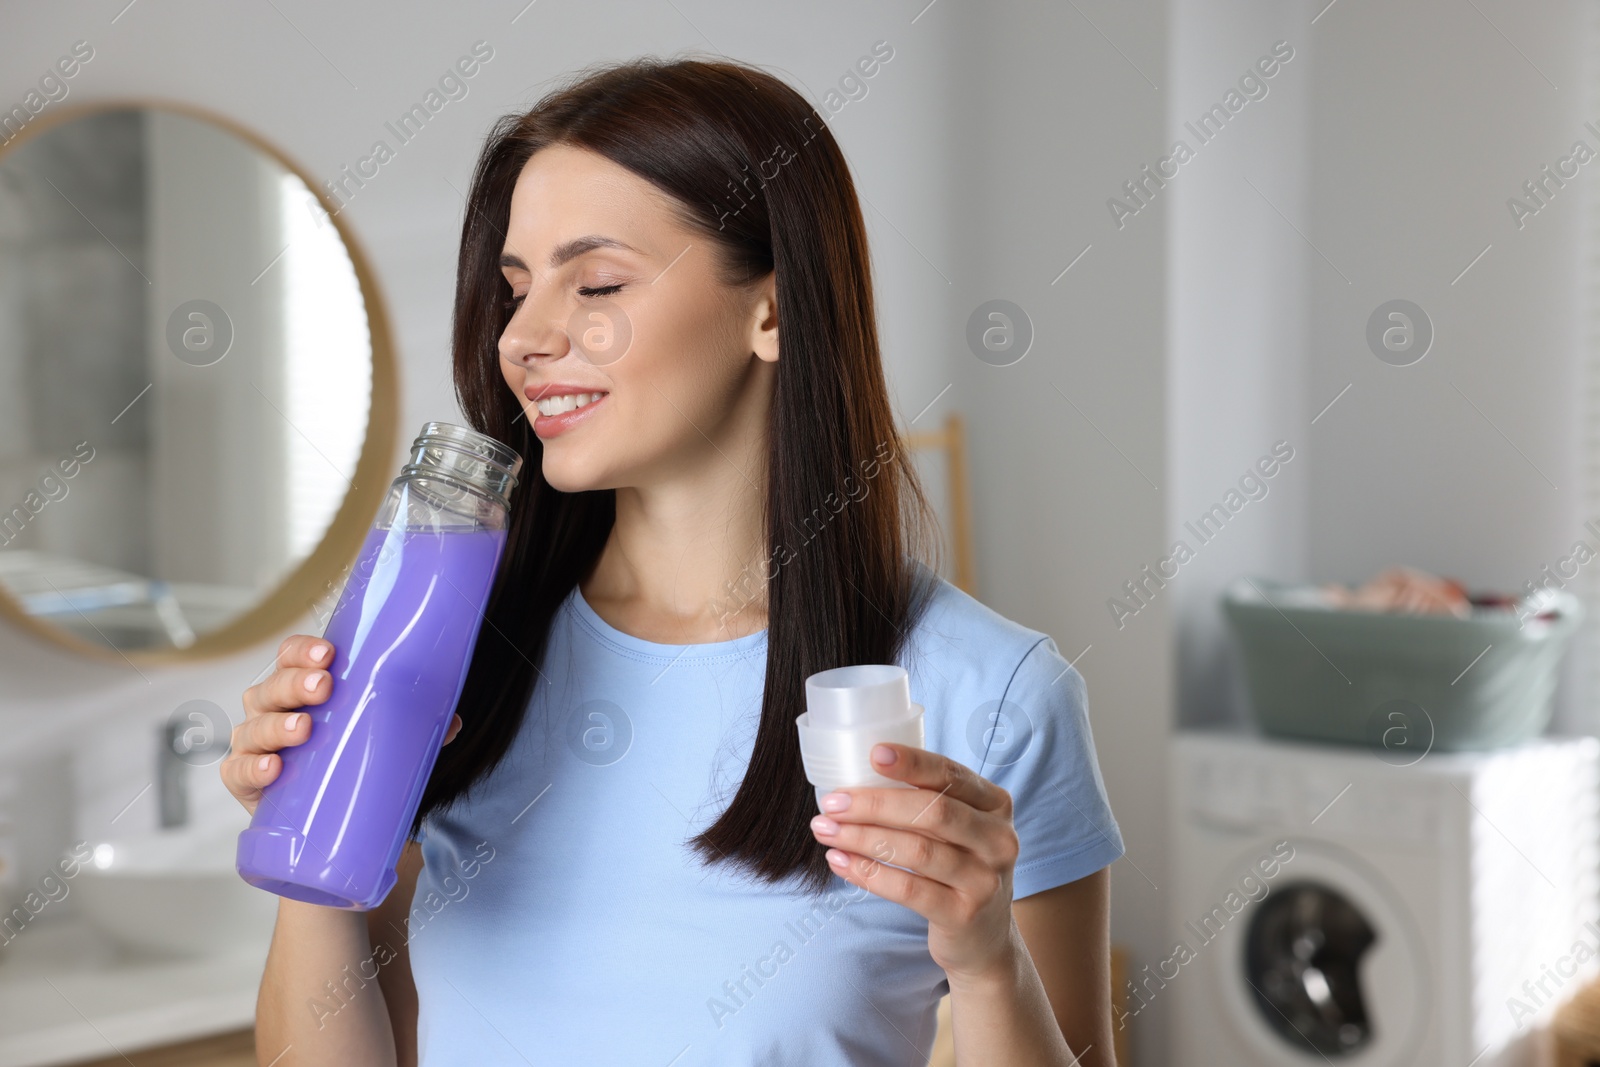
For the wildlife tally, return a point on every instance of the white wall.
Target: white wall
(1387, 149)
(1426, 119)
(1052, 120)
(1237, 335)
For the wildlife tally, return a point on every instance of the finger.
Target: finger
(246, 774)
(930, 770)
(270, 732)
(942, 861)
(286, 689)
(935, 902)
(454, 728)
(296, 650)
(303, 650)
(922, 810)
(988, 835)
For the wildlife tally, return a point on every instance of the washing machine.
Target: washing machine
(1375, 907)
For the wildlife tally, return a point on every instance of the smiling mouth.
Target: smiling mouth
(559, 405)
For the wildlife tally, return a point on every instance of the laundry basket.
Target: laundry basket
(1409, 683)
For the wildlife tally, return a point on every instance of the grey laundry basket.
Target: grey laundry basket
(1417, 682)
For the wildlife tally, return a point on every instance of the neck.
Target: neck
(683, 563)
(666, 570)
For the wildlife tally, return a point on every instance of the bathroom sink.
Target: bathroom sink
(174, 893)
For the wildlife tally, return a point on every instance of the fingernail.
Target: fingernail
(837, 858)
(292, 723)
(836, 801)
(318, 652)
(311, 681)
(883, 754)
(824, 826)
(263, 763)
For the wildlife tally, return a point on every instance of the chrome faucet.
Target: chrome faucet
(172, 775)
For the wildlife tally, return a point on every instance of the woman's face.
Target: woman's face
(634, 361)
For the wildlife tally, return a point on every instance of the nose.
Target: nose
(531, 336)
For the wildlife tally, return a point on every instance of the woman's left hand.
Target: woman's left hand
(952, 833)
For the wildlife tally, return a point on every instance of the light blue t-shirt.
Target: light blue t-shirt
(562, 919)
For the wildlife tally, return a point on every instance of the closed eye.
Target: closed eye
(583, 290)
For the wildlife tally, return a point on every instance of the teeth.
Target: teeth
(557, 405)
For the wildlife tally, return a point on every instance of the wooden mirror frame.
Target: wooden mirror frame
(317, 574)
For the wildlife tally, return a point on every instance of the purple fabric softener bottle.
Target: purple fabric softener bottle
(329, 830)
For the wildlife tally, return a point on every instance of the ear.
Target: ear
(764, 319)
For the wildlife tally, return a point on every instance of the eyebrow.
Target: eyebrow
(570, 250)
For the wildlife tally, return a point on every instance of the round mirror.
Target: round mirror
(197, 389)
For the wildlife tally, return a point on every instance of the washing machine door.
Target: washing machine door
(1328, 967)
(1302, 957)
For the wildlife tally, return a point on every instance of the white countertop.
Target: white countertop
(66, 996)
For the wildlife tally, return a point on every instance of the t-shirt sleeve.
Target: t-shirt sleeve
(1037, 746)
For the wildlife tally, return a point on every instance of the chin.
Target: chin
(569, 477)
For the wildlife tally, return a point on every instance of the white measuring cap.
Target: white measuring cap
(848, 710)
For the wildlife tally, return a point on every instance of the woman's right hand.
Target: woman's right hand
(271, 722)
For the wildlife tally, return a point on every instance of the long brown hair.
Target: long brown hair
(752, 166)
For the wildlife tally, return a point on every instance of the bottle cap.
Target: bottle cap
(849, 710)
(856, 696)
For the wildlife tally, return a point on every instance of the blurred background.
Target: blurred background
(1143, 253)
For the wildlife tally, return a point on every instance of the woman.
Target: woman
(618, 858)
